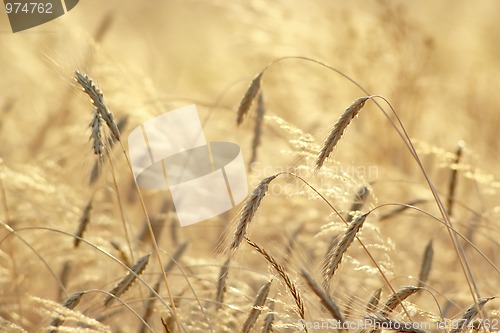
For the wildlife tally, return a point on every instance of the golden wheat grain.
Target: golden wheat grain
(294, 291)
(397, 298)
(127, 281)
(251, 206)
(470, 313)
(334, 258)
(326, 300)
(248, 99)
(425, 269)
(260, 299)
(338, 129)
(98, 101)
(84, 221)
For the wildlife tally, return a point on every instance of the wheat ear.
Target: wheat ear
(294, 291)
(248, 99)
(268, 322)
(257, 132)
(70, 303)
(326, 300)
(397, 298)
(334, 258)
(84, 221)
(249, 210)
(372, 304)
(97, 98)
(425, 269)
(260, 299)
(338, 129)
(127, 281)
(221, 283)
(470, 313)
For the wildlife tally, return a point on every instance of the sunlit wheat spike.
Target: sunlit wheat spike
(251, 206)
(294, 291)
(334, 258)
(259, 302)
(269, 320)
(425, 269)
(378, 322)
(97, 98)
(470, 313)
(70, 303)
(84, 221)
(338, 129)
(221, 283)
(372, 304)
(125, 283)
(248, 99)
(326, 300)
(397, 298)
(257, 133)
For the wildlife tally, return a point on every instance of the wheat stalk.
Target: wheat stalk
(334, 257)
(326, 300)
(260, 299)
(248, 99)
(294, 291)
(127, 281)
(248, 212)
(338, 129)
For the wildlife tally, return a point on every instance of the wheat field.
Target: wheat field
(369, 134)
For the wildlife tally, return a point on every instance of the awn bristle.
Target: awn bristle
(338, 129)
(248, 99)
(248, 212)
(426, 265)
(127, 281)
(97, 98)
(397, 298)
(254, 314)
(470, 313)
(84, 221)
(294, 291)
(326, 300)
(334, 258)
